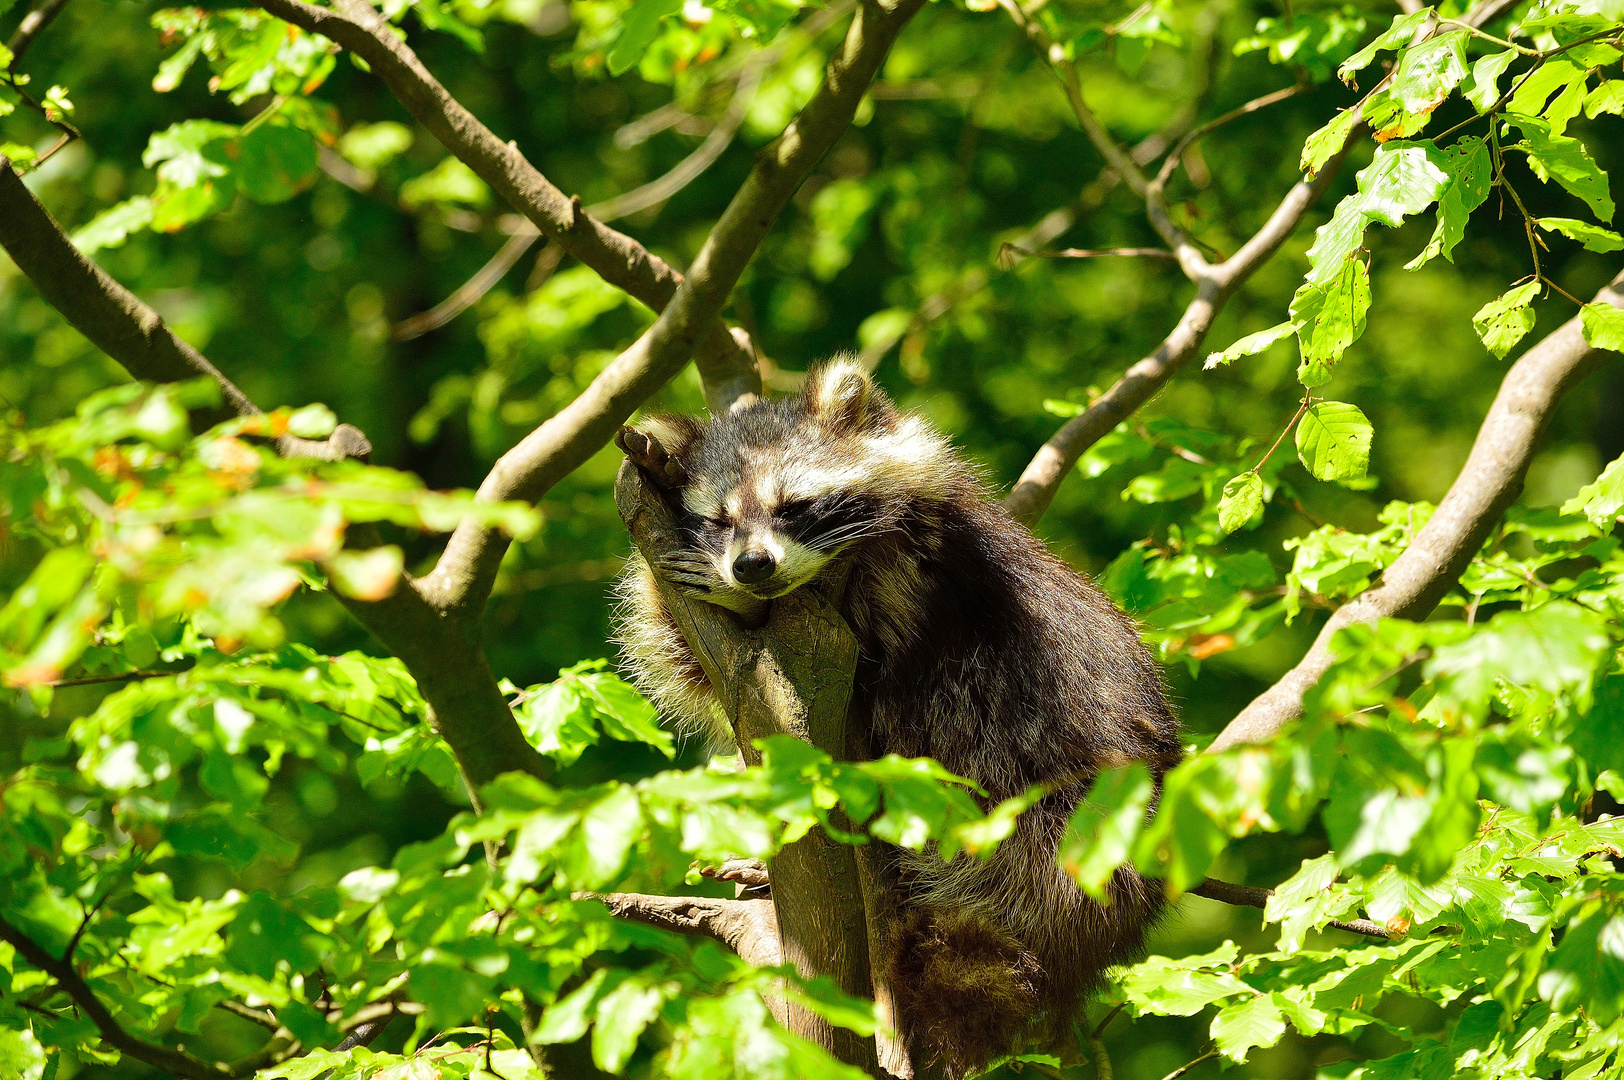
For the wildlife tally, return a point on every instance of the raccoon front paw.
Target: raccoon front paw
(647, 454)
(689, 571)
(749, 876)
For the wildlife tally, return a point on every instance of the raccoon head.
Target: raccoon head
(772, 492)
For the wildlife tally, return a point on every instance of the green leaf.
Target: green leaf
(372, 146)
(1555, 648)
(1328, 141)
(370, 575)
(1503, 322)
(1602, 500)
(190, 152)
(1242, 501)
(21, 1055)
(1593, 237)
(1395, 36)
(1183, 986)
(1606, 98)
(623, 1013)
(112, 226)
(1470, 170)
(568, 1018)
(1333, 441)
(1102, 829)
(1603, 326)
(1557, 75)
(448, 182)
(639, 26)
(1587, 969)
(1427, 72)
(1249, 345)
(1482, 88)
(1253, 1022)
(264, 933)
(275, 162)
(1306, 901)
(1565, 160)
(1331, 317)
(1402, 179)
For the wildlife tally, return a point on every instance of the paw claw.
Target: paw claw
(646, 453)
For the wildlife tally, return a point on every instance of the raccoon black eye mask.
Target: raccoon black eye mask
(977, 647)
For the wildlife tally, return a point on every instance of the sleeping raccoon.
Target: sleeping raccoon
(978, 647)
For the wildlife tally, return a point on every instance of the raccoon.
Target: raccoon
(977, 647)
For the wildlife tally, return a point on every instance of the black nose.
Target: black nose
(753, 566)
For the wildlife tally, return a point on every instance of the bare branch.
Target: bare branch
(1037, 486)
(1488, 484)
(617, 258)
(1252, 896)
(116, 321)
(176, 1062)
(33, 24)
(463, 578)
(1176, 155)
(640, 198)
(748, 927)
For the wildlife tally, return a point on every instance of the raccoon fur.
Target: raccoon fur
(977, 647)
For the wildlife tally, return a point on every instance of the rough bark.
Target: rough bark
(792, 675)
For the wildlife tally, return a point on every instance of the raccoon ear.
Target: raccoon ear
(842, 396)
(656, 446)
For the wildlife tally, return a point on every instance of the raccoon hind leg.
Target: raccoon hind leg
(965, 988)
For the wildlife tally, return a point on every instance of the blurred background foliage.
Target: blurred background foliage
(965, 144)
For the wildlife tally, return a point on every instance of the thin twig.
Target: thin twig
(1182, 1069)
(1007, 253)
(33, 24)
(655, 191)
(1232, 115)
(124, 676)
(1252, 896)
(1298, 415)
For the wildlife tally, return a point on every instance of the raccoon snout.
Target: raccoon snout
(753, 566)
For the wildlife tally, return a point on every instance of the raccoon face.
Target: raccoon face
(772, 492)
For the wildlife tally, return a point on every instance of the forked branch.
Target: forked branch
(1486, 487)
(1214, 284)
(462, 580)
(1038, 483)
(617, 258)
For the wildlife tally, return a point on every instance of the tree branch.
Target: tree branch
(1488, 484)
(640, 198)
(748, 927)
(33, 24)
(1038, 483)
(176, 1062)
(117, 322)
(791, 676)
(1214, 284)
(462, 579)
(1251, 896)
(617, 258)
(466, 705)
